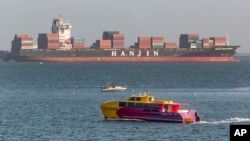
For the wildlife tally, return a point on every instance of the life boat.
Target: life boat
(67, 41)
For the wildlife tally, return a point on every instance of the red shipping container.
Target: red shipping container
(27, 38)
(52, 38)
(144, 46)
(26, 44)
(141, 39)
(118, 36)
(118, 47)
(105, 46)
(157, 39)
(53, 46)
(170, 45)
(21, 35)
(52, 35)
(211, 44)
(78, 45)
(193, 35)
(205, 40)
(103, 41)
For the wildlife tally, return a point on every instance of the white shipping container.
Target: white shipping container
(29, 47)
(211, 41)
(220, 44)
(27, 41)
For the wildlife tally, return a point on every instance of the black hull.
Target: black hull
(140, 54)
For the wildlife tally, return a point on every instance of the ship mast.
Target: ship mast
(228, 43)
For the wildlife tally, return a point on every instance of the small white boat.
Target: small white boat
(112, 88)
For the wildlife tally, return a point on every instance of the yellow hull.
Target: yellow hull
(109, 109)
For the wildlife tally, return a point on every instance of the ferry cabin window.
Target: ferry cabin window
(151, 99)
(139, 105)
(151, 106)
(132, 99)
(122, 104)
(147, 106)
(155, 106)
(137, 99)
(131, 105)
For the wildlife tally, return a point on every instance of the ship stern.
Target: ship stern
(190, 116)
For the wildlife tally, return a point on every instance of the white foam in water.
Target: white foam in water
(230, 120)
(243, 88)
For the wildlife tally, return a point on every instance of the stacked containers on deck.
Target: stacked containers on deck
(144, 42)
(188, 40)
(48, 41)
(211, 42)
(110, 39)
(108, 35)
(103, 43)
(22, 41)
(219, 41)
(170, 45)
(196, 44)
(205, 43)
(78, 42)
(117, 40)
(157, 42)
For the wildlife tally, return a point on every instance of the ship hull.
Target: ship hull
(111, 110)
(126, 59)
(216, 54)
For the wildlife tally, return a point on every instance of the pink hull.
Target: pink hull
(129, 59)
(175, 117)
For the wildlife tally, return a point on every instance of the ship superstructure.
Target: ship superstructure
(63, 29)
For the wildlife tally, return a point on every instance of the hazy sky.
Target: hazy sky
(167, 18)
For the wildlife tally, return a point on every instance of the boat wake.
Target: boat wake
(230, 120)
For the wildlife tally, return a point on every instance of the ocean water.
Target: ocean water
(60, 101)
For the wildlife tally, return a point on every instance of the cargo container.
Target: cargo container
(118, 37)
(22, 41)
(144, 42)
(102, 44)
(186, 39)
(219, 41)
(48, 41)
(52, 46)
(170, 45)
(78, 42)
(108, 35)
(157, 42)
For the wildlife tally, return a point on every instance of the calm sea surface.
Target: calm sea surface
(60, 101)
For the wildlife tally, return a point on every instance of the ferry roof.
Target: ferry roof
(146, 98)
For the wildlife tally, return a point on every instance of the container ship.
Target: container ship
(59, 46)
